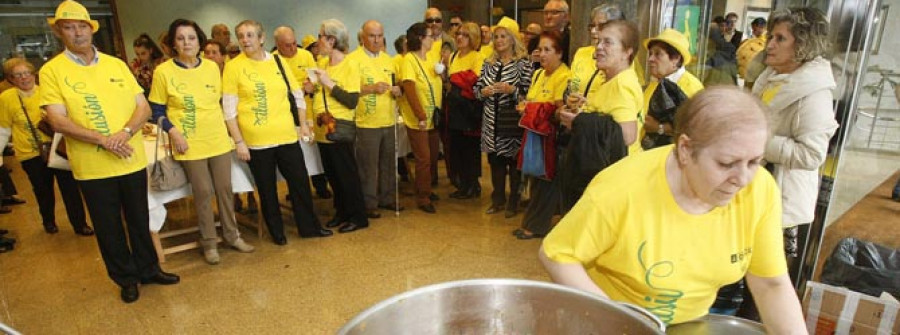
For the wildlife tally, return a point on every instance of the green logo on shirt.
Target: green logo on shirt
(189, 119)
(662, 302)
(261, 111)
(91, 108)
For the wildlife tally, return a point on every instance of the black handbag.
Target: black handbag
(344, 130)
(290, 97)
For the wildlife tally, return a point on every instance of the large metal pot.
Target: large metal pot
(501, 306)
(718, 324)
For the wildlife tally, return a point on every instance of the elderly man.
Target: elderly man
(556, 19)
(443, 46)
(375, 119)
(221, 33)
(299, 60)
(93, 100)
(532, 31)
(486, 49)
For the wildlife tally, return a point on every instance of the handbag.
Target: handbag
(57, 160)
(166, 173)
(290, 97)
(344, 130)
(42, 147)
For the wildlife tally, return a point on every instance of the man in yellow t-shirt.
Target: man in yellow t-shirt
(375, 118)
(93, 100)
(666, 228)
(300, 60)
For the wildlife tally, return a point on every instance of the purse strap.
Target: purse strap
(34, 135)
(591, 81)
(159, 134)
(288, 84)
(430, 88)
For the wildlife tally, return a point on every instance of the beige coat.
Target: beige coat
(802, 122)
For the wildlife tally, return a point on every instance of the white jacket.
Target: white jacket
(802, 122)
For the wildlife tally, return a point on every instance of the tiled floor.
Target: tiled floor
(56, 284)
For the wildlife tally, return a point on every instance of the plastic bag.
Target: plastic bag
(863, 267)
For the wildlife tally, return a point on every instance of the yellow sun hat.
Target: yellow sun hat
(676, 39)
(71, 10)
(509, 24)
(307, 40)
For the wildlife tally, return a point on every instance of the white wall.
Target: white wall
(153, 17)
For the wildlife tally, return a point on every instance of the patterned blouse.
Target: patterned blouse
(500, 132)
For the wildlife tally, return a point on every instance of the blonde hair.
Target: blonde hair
(518, 48)
(15, 62)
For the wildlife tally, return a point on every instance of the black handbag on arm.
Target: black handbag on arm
(290, 96)
(344, 130)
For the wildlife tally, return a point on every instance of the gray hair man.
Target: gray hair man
(375, 119)
(93, 99)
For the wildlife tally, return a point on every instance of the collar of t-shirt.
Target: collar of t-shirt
(78, 60)
(370, 54)
(676, 76)
(183, 66)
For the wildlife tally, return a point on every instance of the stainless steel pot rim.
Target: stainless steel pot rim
(496, 281)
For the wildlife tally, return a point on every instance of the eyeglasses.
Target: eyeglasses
(606, 42)
(554, 12)
(323, 35)
(20, 75)
(433, 20)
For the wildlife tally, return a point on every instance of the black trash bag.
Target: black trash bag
(863, 267)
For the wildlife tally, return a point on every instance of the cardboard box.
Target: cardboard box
(837, 310)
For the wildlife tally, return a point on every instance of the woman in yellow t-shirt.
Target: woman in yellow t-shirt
(464, 113)
(185, 96)
(258, 116)
(547, 86)
(423, 91)
(336, 97)
(20, 113)
(716, 219)
(666, 55)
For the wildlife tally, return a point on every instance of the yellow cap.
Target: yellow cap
(509, 24)
(677, 40)
(71, 10)
(307, 40)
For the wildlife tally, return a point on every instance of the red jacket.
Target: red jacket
(538, 119)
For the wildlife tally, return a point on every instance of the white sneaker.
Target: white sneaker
(242, 246)
(211, 255)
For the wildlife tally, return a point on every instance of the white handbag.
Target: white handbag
(55, 160)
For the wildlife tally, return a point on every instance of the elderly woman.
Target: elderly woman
(336, 98)
(148, 57)
(259, 119)
(666, 55)
(506, 76)
(185, 97)
(464, 111)
(20, 113)
(586, 78)
(718, 220)
(547, 87)
(423, 91)
(796, 85)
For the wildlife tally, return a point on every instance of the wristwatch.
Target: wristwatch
(662, 129)
(128, 130)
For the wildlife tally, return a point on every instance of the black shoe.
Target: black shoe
(392, 207)
(162, 278)
(494, 209)
(469, 193)
(84, 231)
(130, 293)
(510, 212)
(333, 223)
(51, 228)
(3, 232)
(5, 210)
(11, 201)
(320, 233)
(324, 194)
(527, 236)
(373, 214)
(279, 240)
(434, 197)
(517, 232)
(350, 226)
(429, 208)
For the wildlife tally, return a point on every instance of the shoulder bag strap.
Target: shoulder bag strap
(283, 74)
(430, 88)
(34, 135)
(591, 81)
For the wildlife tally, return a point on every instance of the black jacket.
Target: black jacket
(596, 142)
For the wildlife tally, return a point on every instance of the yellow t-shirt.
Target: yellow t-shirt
(486, 50)
(434, 54)
(688, 83)
(402, 103)
(264, 114)
(549, 88)
(12, 117)
(584, 67)
(192, 104)
(422, 73)
(375, 110)
(98, 97)
(301, 61)
(345, 75)
(471, 61)
(621, 97)
(655, 255)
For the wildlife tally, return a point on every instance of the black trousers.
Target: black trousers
(501, 168)
(127, 249)
(465, 157)
(287, 158)
(546, 201)
(41, 178)
(339, 162)
(9, 188)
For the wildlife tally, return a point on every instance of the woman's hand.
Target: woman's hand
(504, 87)
(521, 107)
(566, 116)
(179, 143)
(243, 153)
(309, 87)
(575, 101)
(324, 78)
(423, 124)
(487, 91)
